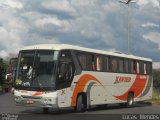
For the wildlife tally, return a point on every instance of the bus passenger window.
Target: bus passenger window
(82, 60)
(134, 67)
(126, 66)
(92, 68)
(88, 61)
(121, 65)
(85, 60)
(105, 64)
(109, 64)
(142, 68)
(149, 68)
(114, 65)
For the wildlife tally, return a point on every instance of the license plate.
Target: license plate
(29, 101)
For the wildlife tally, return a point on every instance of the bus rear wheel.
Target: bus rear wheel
(130, 100)
(80, 104)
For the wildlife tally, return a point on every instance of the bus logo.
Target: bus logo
(120, 79)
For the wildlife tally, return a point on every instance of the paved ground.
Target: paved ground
(7, 106)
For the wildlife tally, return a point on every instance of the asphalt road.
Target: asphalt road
(7, 106)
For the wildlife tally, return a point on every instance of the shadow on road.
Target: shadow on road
(94, 109)
(51, 112)
(117, 106)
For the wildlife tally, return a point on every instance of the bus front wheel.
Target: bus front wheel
(80, 104)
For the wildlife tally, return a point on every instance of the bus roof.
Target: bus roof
(74, 47)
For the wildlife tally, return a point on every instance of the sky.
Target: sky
(98, 24)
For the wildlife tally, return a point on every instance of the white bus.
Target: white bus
(62, 76)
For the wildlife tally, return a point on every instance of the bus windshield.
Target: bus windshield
(36, 70)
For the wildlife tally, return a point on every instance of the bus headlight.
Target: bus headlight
(17, 98)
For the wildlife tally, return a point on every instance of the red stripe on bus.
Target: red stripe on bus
(137, 87)
(81, 85)
(37, 93)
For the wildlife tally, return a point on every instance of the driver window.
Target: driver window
(66, 69)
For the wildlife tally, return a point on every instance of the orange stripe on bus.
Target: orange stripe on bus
(37, 93)
(81, 85)
(137, 88)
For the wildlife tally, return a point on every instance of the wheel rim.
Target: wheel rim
(130, 101)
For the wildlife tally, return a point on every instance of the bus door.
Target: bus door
(66, 71)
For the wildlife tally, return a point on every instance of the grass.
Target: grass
(155, 97)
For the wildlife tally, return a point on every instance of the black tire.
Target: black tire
(80, 104)
(45, 110)
(130, 100)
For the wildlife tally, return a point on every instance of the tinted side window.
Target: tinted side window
(149, 68)
(131, 67)
(85, 60)
(101, 63)
(121, 65)
(105, 64)
(82, 60)
(114, 64)
(126, 66)
(141, 67)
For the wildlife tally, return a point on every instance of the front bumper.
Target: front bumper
(36, 101)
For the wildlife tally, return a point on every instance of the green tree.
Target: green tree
(3, 68)
(156, 78)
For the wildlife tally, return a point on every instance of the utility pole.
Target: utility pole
(127, 2)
